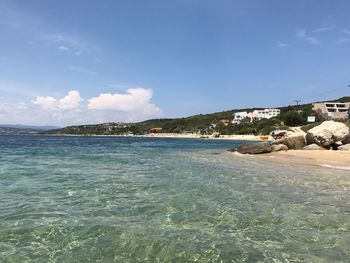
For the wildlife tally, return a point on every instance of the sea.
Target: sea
(129, 199)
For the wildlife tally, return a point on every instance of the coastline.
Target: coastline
(197, 136)
(174, 136)
(321, 158)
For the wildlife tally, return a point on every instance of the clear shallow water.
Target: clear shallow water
(98, 199)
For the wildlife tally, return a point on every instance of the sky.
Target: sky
(78, 62)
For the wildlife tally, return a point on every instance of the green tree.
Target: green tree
(293, 118)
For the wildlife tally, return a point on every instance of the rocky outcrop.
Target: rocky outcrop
(279, 147)
(313, 147)
(327, 133)
(254, 148)
(293, 143)
(344, 147)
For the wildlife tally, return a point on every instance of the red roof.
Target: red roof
(156, 129)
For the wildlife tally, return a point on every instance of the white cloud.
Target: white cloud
(64, 48)
(345, 31)
(135, 100)
(47, 103)
(133, 106)
(282, 45)
(302, 34)
(70, 101)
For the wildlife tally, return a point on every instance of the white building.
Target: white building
(332, 110)
(238, 116)
(256, 114)
(266, 113)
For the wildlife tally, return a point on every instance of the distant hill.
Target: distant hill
(193, 123)
(16, 129)
(20, 126)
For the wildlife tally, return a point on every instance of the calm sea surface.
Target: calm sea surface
(110, 199)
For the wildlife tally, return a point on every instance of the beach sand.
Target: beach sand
(197, 136)
(325, 158)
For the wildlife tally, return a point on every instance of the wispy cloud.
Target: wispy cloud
(342, 40)
(64, 48)
(73, 45)
(81, 70)
(281, 44)
(303, 35)
(323, 29)
(345, 31)
(62, 39)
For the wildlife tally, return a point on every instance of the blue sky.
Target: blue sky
(66, 62)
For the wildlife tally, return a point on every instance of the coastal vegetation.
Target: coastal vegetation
(291, 116)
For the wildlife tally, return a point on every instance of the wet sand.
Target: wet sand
(325, 158)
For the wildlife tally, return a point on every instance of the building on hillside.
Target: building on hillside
(256, 114)
(332, 110)
(154, 130)
(266, 113)
(239, 116)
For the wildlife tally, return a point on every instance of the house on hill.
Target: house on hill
(155, 130)
(256, 114)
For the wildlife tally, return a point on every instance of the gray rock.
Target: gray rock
(279, 147)
(254, 148)
(313, 147)
(327, 133)
(346, 140)
(216, 135)
(293, 143)
(345, 147)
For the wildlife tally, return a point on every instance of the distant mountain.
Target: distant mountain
(16, 129)
(34, 127)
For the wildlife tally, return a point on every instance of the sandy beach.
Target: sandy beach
(198, 136)
(325, 158)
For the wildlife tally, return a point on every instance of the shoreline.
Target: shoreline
(171, 136)
(197, 136)
(320, 158)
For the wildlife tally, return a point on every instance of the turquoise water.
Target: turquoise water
(99, 199)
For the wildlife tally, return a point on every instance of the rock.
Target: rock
(327, 133)
(344, 147)
(293, 143)
(313, 147)
(346, 140)
(216, 135)
(254, 148)
(279, 147)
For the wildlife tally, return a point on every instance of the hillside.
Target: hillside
(198, 123)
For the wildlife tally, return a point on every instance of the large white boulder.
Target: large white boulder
(327, 133)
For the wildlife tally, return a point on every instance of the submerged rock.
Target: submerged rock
(279, 147)
(327, 133)
(313, 147)
(293, 143)
(254, 148)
